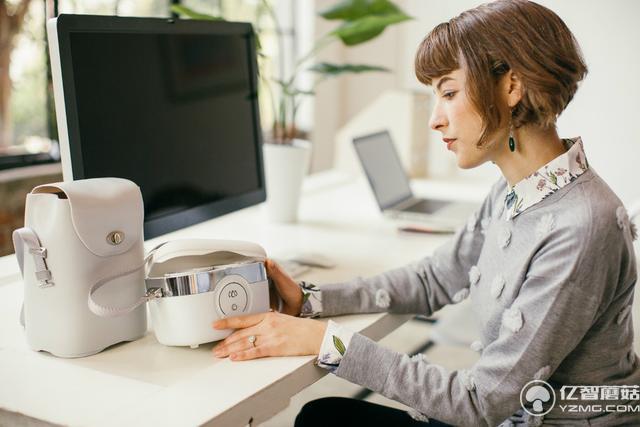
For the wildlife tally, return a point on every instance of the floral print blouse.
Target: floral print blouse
(548, 179)
(536, 187)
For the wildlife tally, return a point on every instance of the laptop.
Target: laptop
(390, 186)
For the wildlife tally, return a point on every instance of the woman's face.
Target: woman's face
(454, 116)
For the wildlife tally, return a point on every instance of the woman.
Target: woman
(547, 260)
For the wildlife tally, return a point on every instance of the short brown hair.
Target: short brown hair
(493, 38)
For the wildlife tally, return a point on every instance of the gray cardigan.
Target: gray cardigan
(552, 290)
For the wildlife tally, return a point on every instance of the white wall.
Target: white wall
(604, 111)
(339, 100)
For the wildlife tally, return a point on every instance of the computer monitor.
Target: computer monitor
(169, 104)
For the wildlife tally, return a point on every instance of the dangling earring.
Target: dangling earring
(512, 140)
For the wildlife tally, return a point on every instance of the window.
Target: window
(23, 76)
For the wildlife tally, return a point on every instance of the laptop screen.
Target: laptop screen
(382, 166)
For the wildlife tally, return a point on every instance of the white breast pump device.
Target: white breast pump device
(194, 282)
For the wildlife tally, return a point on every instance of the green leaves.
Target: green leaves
(350, 10)
(364, 19)
(364, 29)
(305, 285)
(188, 12)
(339, 345)
(337, 69)
(288, 89)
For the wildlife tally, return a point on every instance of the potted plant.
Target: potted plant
(286, 152)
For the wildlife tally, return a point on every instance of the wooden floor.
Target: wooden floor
(447, 341)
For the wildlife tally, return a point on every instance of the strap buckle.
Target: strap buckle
(25, 240)
(41, 252)
(44, 278)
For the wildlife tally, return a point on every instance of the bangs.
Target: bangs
(437, 55)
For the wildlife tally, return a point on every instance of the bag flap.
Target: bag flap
(222, 250)
(107, 213)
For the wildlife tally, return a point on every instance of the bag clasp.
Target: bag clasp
(43, 276)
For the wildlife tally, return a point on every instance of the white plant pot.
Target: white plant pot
(285, 166)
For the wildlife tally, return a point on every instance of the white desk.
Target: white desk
(145, 383)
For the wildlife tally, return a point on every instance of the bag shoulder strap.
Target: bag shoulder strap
(106, 311)
(26, 238)
(23, 238)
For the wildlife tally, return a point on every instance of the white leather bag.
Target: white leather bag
(79, 236)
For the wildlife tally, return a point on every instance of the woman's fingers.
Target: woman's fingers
(239, 339)
(239, 335)
(239, 322)
(273, 269)
(279, 276)
(240, 343)
(286, 286)
(252, 353)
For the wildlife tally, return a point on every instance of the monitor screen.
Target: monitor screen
(170, 105)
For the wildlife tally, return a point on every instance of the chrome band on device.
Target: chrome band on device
(203, 279)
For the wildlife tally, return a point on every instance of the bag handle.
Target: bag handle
(106, 311)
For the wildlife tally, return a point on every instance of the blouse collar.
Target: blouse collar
(548, 179)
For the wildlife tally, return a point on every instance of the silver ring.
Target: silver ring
(252, 340)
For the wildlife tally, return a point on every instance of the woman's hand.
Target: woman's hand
(276, 334)
(287, 288)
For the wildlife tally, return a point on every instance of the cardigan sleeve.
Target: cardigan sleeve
(560, 299)
(422, 287)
